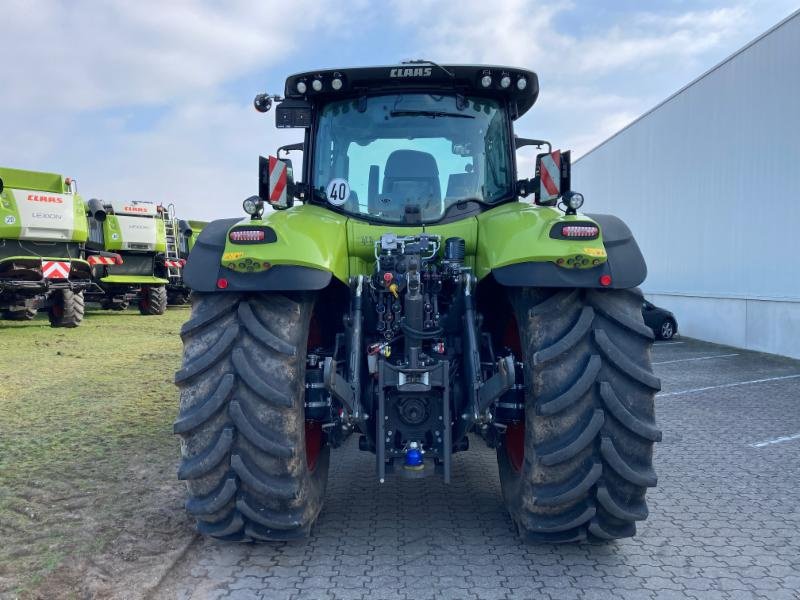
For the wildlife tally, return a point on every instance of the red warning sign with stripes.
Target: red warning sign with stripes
(103, 260)
(550, 176)
(277, 181)
(55, 269)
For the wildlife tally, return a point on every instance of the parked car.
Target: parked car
(660, 320)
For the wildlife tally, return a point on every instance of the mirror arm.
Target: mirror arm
(289, 148)
(522, 142)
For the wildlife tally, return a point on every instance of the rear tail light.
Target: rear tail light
(579, 231)
(246, 235)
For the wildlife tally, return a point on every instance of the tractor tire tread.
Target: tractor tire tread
(241, 418)
(589, 419)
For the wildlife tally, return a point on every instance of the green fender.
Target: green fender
(307, 246)
(517, 245)
(303, 249)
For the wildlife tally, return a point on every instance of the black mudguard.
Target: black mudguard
(625, 264)
(203, 269)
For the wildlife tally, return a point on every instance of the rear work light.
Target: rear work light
(247, 235)
(579, 231)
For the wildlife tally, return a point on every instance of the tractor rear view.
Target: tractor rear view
(410, 287)
(42, 236)
(130, 245)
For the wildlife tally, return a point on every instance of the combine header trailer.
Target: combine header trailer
(412, 284)
(129, 241)
(42, 235)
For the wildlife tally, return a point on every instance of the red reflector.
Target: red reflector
(605, 280)
(246, 235)
(118, 259)
(579, 231)
(222, 283)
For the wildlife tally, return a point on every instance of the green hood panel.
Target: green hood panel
(123, 232)
(33, 180)
(312, 236)
(29, 214)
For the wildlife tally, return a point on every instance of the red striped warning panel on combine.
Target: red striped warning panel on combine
(101, 260)
(55, 269)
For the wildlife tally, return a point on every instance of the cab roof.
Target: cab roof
(325, 85)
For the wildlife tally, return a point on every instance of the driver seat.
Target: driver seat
(412, 177)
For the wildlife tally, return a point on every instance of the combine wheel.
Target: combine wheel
(154, 300)
(254, 468)
(66, 309)
(579, 465)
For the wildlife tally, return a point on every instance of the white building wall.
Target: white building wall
(709, 183)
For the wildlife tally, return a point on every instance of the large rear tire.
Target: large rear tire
(254, 469)
(66, 309)
(579, 465)
(154, 300)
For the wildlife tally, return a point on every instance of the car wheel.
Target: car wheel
(667, 329)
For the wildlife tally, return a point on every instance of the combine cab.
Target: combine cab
(130, 264)
(42, 235)
(413, 285)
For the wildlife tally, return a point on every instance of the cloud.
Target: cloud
(146, 99)
(527, 32)
(84, 55)
(202, 156)
(84, 73)
(595, 78)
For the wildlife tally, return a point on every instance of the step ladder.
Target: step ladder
(172, 254)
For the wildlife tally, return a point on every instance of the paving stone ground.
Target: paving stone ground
(724, 520)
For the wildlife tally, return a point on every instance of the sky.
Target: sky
(153, 100)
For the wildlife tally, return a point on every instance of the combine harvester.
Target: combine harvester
(43, 230)
(136, 233)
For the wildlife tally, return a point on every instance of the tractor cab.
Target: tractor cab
(404, 144)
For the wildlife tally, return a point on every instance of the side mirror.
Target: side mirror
(273, 181)
(2, 186)
(553, 175)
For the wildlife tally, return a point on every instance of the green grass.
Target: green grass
(83, 413)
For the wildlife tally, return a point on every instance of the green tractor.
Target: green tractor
(412, 288)
(134, 235)
(184, 234)
(42, 235)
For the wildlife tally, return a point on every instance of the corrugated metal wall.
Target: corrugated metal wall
(709, 182)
